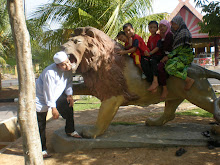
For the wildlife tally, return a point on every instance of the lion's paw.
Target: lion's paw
(89, 133)
(153, 122)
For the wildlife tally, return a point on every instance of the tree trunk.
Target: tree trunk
(27, 107)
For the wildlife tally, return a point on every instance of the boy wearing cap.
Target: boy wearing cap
(52, 86)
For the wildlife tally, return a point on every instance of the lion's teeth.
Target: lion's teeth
(73, 65)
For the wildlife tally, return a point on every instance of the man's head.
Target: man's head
(62, 61)
(122, 37)
(153, 27)
(128, 29)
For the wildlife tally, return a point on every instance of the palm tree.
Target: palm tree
(108, 15)
(41, 48)
(7, 51)
(3, 30)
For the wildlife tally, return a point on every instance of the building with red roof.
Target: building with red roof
(202, 43)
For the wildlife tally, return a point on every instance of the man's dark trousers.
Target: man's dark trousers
(65, 111)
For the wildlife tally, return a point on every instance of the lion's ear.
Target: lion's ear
(79, 31)
(90, 33)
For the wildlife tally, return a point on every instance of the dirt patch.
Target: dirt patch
(124, 156)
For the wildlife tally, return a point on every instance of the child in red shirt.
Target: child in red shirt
(138, 49)
(154, 38)
(150, 62)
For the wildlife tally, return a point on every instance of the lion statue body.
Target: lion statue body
(116, 81)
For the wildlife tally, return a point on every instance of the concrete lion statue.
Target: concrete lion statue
(116, 81)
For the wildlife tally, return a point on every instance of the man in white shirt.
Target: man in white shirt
(54, 91)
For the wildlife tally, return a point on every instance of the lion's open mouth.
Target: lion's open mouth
(72, 58)
(73, 61)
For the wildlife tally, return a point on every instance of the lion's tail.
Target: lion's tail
(212, 74)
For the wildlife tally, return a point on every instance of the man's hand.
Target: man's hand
(70, 100)
(55, 113)
(164, 59)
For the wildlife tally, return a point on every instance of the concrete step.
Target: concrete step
(121, 136)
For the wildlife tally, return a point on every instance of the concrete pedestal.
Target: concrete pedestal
(182, 134)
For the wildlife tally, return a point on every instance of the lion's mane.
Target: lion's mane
(101, 67)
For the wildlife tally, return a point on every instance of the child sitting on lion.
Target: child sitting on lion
(138, 48)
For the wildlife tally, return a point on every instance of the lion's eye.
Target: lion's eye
(76, 41)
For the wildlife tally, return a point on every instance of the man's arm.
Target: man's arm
(48, 89)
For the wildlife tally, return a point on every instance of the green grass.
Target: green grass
(87, 102)
(196, 112)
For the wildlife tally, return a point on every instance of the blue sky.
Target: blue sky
(159, 6)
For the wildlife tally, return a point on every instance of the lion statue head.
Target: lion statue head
(94, 55)
(89, 48)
